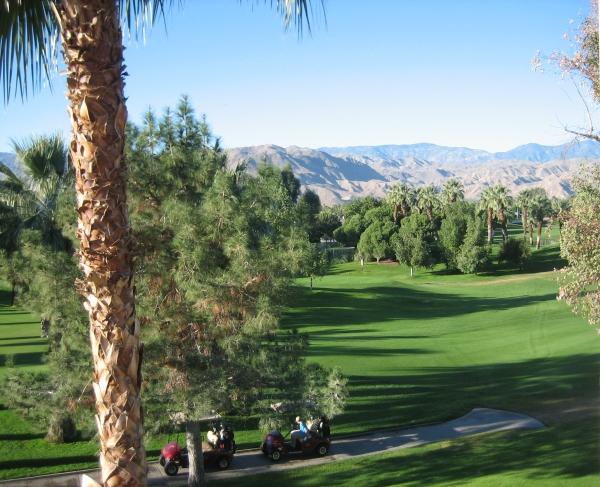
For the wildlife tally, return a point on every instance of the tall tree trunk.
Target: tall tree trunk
(430, 216)
(503, 224)
(93, 53)
(395, 213)
(194, 448)
(531, 234)
(539, 234)
(411, 272)
(524, 222)
(403, 208)
(490, 229)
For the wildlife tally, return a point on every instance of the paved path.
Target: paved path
(253, 462)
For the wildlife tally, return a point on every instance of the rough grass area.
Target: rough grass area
(566, 454)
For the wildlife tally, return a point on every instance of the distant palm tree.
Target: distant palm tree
(524, 201)
(487, 203)
(540, 208)
(400, 195)
(427, 200)
(560, 206)
(452, 191)
(502, 201)
(31, 198)
(91, 32)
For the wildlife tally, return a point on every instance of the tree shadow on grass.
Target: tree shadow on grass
(420, 395)
(29, 358)
(28, 337)
(22, 436)
(25, 343)
(354, 307)
(5, 298)
(48, 462)
(32, 322)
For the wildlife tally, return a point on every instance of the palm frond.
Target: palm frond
(12, 177)
(29, 35)
(136, 15)
(42, 156)
(298, 12)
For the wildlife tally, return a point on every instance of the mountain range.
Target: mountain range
(344, 173)
(339, 174)
(448, 155)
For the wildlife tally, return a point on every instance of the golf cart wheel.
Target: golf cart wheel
(162, 461)
(171, 469)
(322, 450)
(275, 455)
(223, 463)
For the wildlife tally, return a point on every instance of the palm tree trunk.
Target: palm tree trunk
(531, 234)
(503, 224)
(490, 231)
(395, 213)
(93, 53)
(194, 448)
(430, 216)
(539, 234)
(524, 221)
(403, 208)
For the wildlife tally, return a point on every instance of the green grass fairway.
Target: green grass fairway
(437, 345)
(19, 335)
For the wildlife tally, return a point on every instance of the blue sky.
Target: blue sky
(449, 72)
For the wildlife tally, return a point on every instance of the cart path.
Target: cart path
(480, 420)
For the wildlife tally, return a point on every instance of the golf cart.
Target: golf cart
(274, 445)
(218, 454)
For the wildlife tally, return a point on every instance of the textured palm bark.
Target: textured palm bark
(194, 447)
(539, 234)
(530, 233)
(503, 224)
(524, 222)
(93, 52)
(404, 207)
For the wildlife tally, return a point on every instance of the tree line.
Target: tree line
(424, 225)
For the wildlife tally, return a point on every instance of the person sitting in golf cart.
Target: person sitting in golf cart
(300, 434)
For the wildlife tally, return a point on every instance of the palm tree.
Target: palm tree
(92, 46)
(560, 207)
(540, 208)
(486, 203)
(502, 201)
(427, 200)
(30, 200)
(452, 191)
(524, 201)
(400, 196)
